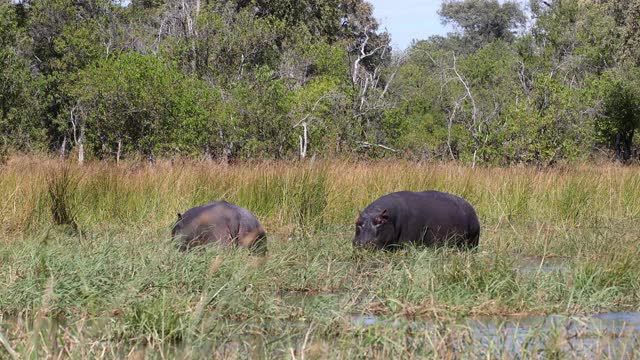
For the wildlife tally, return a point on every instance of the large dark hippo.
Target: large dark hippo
(220, 222)
(429, 218)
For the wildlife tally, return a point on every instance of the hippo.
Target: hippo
(220, 222)
(429, 218)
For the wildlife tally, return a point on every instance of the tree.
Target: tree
(277, 79)
(621, 111)
(483, 21)
(68, 36)
(461, 98)
(137, 103)
(418, 124)
(626, 13)
(20, 125)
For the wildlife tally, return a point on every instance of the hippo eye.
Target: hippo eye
(378, 221)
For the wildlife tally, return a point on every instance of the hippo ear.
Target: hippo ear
(179, 216)
(358, 220)
(383, 217)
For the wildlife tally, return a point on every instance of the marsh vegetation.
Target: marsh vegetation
(89, 270)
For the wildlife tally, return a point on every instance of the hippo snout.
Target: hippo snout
(357, 243)
(364, 243)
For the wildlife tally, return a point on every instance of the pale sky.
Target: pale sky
(409, 19)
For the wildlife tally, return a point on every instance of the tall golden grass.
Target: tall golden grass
(308, 195)
(118, 288)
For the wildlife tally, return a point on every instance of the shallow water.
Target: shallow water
(613, 335)
(605, 335)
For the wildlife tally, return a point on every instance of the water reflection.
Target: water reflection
(614, 335)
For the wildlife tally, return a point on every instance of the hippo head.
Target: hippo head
(177, 226)
(373, 229)
(176, 232)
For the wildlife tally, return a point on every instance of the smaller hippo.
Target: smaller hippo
(219, 222)
(430, 218)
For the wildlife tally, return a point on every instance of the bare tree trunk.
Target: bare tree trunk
(363, 93)
(194, 49)
(105, 150)
(63, 148)
(393, 75)
(475, 153)
(449, 125)
(362, 55)
(207, 154)
(80, 143)
(78, 138)
(476, 127)
(304, 141)
(227, 149)
(119, 151)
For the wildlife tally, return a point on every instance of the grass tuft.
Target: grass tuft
(61, 188)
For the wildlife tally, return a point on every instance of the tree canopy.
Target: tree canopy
(106, 79)
(483, 21)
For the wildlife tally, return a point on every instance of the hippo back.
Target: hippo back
(448, 217)
(429, 218)
(219, 222)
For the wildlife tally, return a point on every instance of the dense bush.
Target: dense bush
(280, 79)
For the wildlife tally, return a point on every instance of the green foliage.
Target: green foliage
(621, 95)
(262, 120)
(19, 102)
(321, 18)
(283, 79)
(535, 100)
(549, 125)
(67, 36)
(320, 104)
(491, 75)
(483, 21)
(145, 105)
(418, 122)
(625, 13)
(230, 45)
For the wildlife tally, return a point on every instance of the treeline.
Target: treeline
(516, 83)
